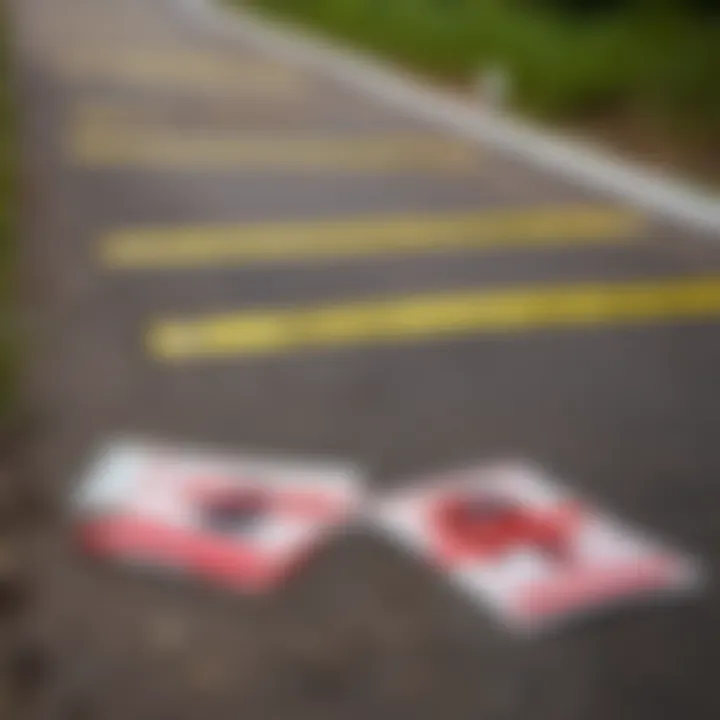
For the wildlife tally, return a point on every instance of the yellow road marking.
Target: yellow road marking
(337, 239)
(219, 111)
(434, 316)
(173, 70)
(170, 148)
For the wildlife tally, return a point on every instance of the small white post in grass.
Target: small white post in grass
(493, 86)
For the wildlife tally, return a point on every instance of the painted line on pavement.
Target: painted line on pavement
(191, 149)
(170, 70)
(217, 111)
(426, 317)
(596, 168)
(340, 239)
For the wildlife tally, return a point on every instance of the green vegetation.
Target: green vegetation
(577, 59)
(7, 209)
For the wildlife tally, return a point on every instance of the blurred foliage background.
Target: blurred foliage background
(655, 60)
(7, 206)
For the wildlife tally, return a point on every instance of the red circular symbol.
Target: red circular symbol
(490, 526)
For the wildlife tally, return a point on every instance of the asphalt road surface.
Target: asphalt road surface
(226, 249)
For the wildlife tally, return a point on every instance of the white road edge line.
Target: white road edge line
(594, 168)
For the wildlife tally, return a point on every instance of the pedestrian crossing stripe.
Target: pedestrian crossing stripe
(220, 111)
(337, 239)
(160, 147)
(174, 70)
(434, 316)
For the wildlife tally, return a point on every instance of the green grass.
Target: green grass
(663, 66)
(7, 215)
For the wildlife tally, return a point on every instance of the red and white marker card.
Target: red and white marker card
(242, 522)
(527, 548)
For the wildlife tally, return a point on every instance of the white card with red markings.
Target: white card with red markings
(242, 522)
(528, 549)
